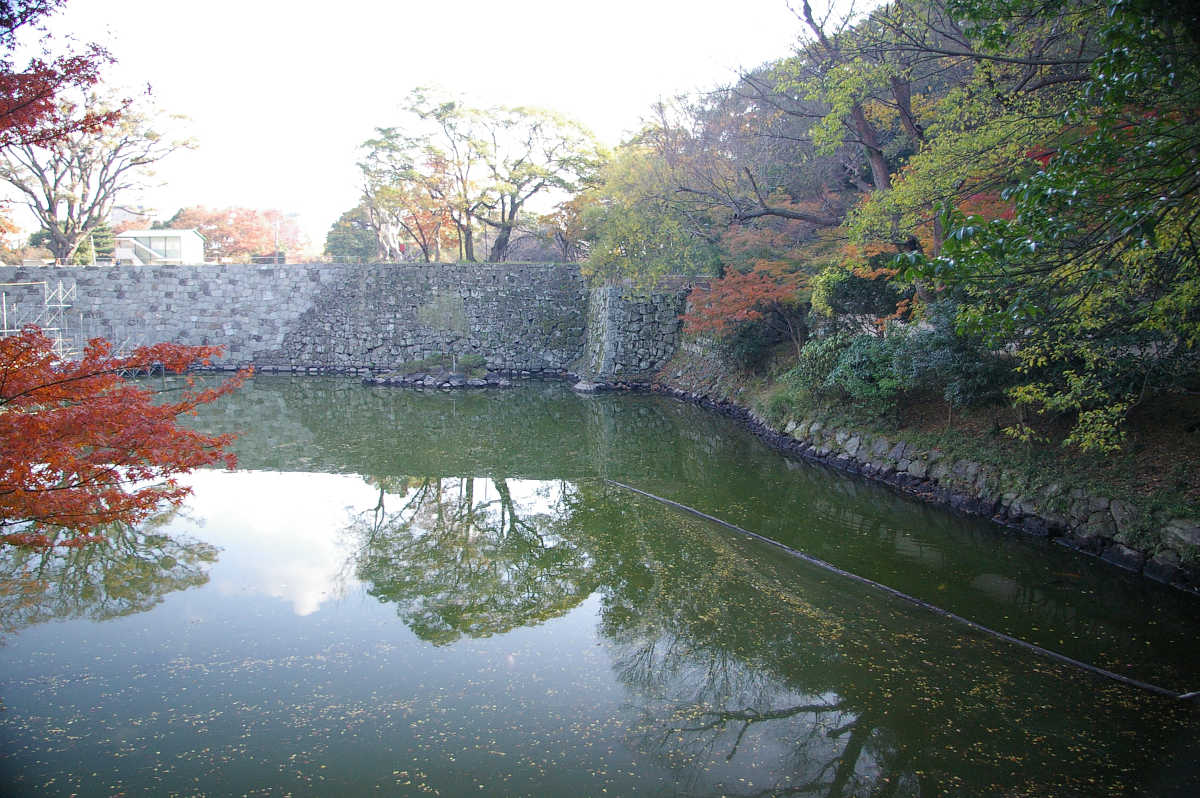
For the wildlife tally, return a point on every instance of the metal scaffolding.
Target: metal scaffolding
(50, 315)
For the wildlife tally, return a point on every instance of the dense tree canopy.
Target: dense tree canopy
(1034, 165)
(451, 171)
(1095, 280)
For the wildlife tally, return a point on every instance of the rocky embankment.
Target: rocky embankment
(1165, 549)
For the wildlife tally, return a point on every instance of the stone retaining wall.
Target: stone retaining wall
(631, 336)
(364, 318)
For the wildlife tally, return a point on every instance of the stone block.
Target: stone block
(1164, 567)
(1100, 523)
(1124, 557)
(1182, 532)
(966, 471)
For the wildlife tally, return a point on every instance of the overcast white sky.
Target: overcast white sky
(281, 94)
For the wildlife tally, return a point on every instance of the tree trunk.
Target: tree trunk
(870, 144)
(62, 246)
(466, 240)
(500, 247)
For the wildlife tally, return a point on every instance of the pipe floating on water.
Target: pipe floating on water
(891, 591)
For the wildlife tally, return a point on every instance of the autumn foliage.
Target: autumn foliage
(29, 109)
(239, 233)
(769, 290)
(81, 445)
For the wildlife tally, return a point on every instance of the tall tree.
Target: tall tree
(529, 152)
(407, 206)
(744, 153)
(477, 166)
(72, 183)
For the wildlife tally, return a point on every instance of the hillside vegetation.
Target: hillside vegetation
(967, 217)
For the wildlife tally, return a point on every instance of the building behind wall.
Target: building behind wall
(159, 248)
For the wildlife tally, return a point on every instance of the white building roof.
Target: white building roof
(158, 233)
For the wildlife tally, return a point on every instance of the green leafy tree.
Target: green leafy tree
(352, 236)
(1095, 281)
(481, 167)
(633, 227)
(857, 297)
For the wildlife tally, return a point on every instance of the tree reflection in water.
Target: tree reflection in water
(746, 673)
(465, 556)
(755, 675)
(694, 635)
(131, 571)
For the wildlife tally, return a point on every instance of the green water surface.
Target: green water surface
(426, 593)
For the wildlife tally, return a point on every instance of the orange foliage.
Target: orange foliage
(239, 233)
(988, 204)
(867, 250)
(777, 240)
(874, 274)
(81, 446)
(743, 296)
(30, 112)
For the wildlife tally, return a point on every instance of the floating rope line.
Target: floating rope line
(808, 558)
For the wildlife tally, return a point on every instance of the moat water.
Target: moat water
(411, 593)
